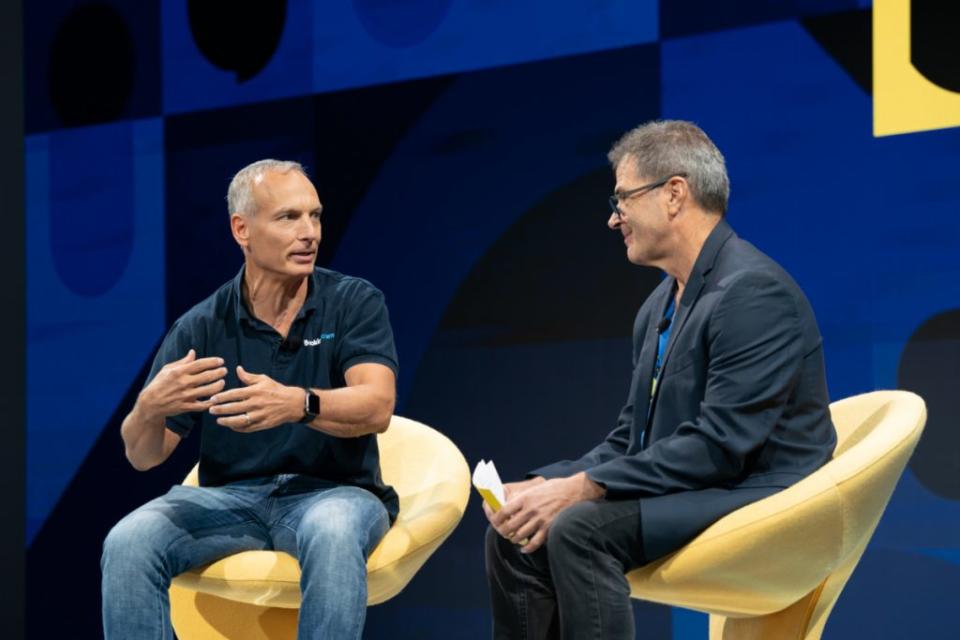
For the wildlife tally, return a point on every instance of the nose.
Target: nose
(614, 221)
(309, 230)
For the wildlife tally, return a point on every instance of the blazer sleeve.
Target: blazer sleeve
(755, 353)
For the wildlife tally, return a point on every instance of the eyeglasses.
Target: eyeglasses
(617, 198)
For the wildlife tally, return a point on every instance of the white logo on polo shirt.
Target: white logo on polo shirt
(312, 342)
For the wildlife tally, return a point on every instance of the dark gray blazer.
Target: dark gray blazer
(740, 411)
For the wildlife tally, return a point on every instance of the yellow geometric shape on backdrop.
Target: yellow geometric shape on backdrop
(904, 101)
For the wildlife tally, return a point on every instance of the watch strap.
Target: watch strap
(311, 405)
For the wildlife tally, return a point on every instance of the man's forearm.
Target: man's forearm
(144, 438)
(349, 412)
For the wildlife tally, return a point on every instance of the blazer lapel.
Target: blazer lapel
(703, 265)
(648, 355)
(689, 298)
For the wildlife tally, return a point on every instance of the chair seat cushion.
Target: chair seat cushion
(267, 578)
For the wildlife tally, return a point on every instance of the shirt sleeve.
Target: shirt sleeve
(175, 345)
(366, 335)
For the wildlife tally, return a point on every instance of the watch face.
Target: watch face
(313, 403)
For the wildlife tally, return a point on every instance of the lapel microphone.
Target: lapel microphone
(663, 326)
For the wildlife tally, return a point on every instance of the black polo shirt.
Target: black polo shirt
(343, 322)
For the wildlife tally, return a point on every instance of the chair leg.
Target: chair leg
(201, 616)
(803, 620)
(791, 623)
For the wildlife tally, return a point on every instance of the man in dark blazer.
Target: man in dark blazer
(727, 405)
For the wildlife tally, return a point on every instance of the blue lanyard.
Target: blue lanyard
(662, 339)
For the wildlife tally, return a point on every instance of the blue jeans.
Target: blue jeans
(329, 528)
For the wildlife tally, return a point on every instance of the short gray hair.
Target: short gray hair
(664, 148)
(240, 192)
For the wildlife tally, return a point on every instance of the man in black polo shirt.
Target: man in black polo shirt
(289, 371)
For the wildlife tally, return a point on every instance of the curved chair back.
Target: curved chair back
(432, 479)
(775, 568)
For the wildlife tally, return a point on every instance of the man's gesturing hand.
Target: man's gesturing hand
(528, 514)
(262, 403)
(181, 385)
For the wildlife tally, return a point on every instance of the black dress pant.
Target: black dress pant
(573, 587)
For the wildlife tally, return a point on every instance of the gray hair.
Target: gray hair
(664, 148)
(240, 192)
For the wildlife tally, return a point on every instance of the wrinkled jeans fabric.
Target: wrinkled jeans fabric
(330, 529)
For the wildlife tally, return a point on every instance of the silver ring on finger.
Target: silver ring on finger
(249, 419)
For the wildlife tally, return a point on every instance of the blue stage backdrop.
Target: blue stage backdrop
(459, 149)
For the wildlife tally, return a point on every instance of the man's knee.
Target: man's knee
(573, 528)
(342, 520)
(597, 529)
(132, 539)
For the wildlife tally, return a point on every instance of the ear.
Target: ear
(677, 191)
(240, 226)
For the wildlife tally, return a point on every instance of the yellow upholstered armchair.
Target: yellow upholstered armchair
(255, 595)
(774, 569)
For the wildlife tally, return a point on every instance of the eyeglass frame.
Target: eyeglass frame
(616, 198)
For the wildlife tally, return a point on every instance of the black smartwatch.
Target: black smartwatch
(311, 405)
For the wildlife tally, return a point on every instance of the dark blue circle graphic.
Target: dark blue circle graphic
(92, 214)
(930, 367)
(91, 257)
(401, 24)
(897, 594)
